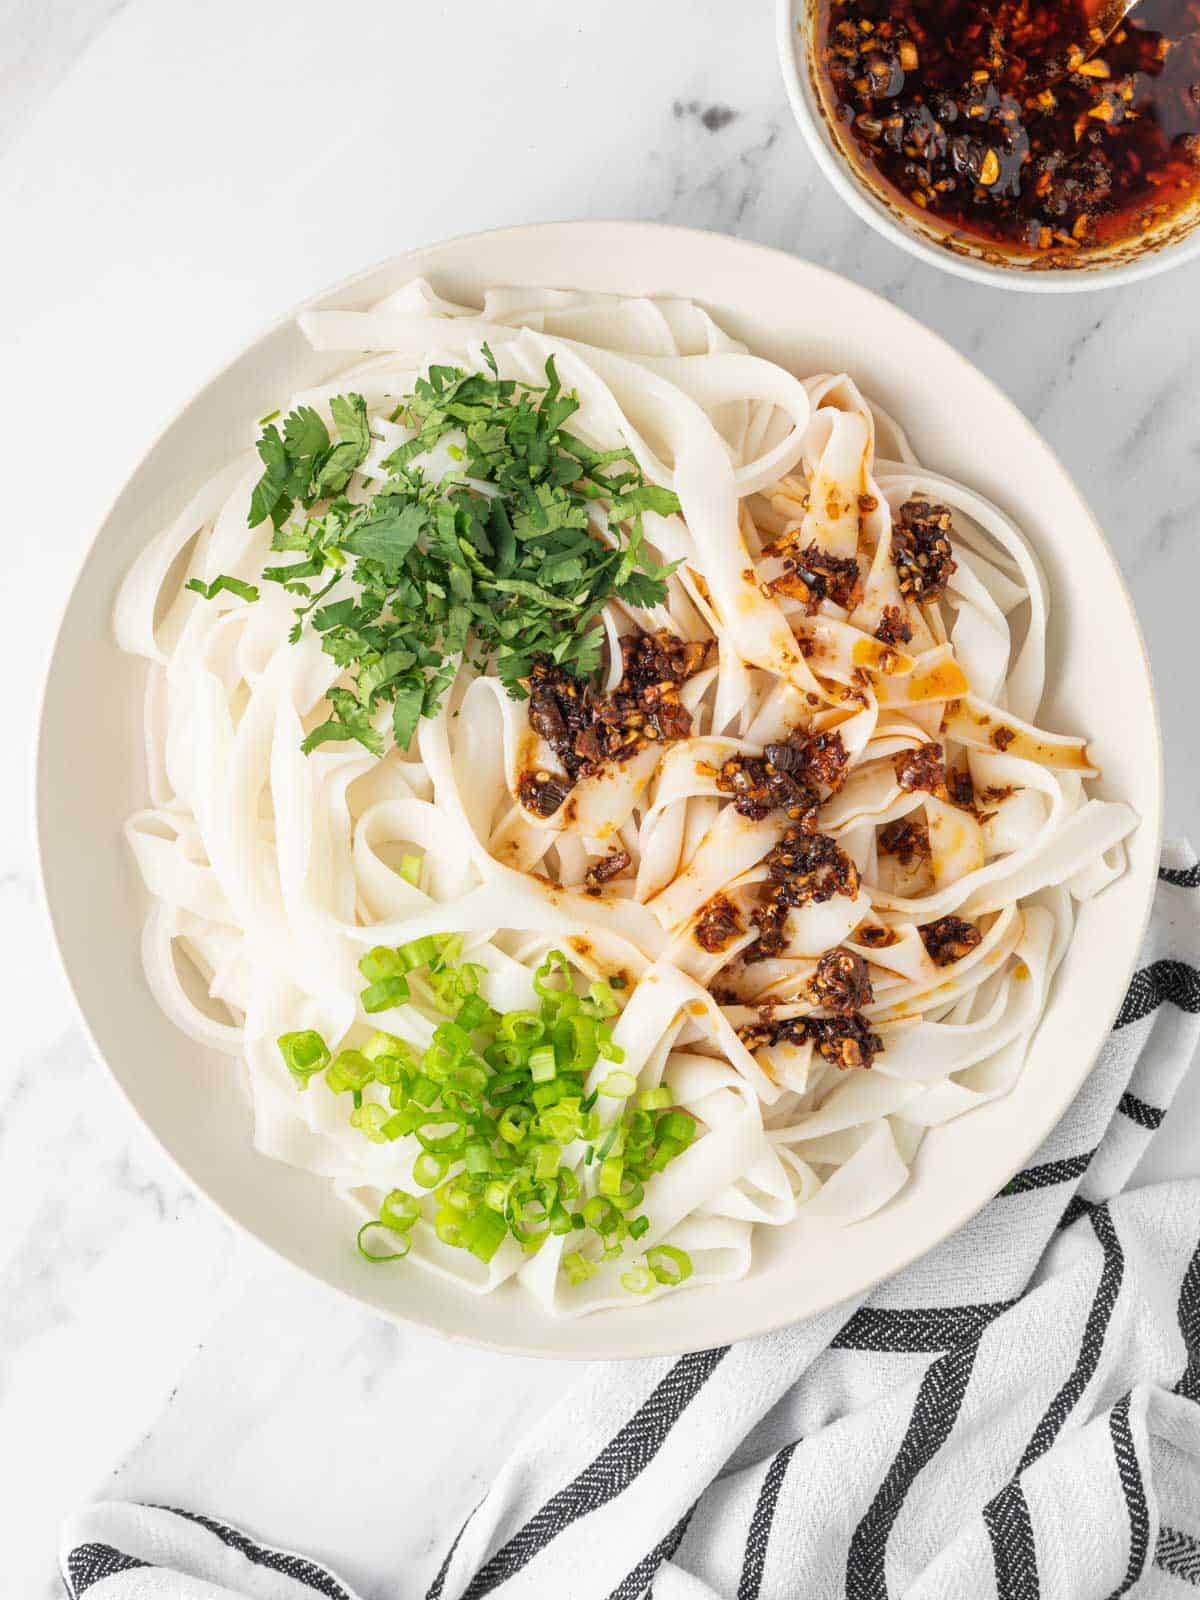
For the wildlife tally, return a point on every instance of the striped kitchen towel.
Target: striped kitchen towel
(1017, 1415)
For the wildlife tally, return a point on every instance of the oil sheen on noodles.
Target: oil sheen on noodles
(270, 872)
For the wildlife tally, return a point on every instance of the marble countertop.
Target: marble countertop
(170, 176)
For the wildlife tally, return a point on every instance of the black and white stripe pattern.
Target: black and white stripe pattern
(1179, 1554)
(960, 1434)
(635, 1585)
(916, 1328)
(89, 1563)
(935, 1413)
(1188, 1313)
(1095, 1329)
(108, 1549)
(1048, 1174)
(1014, 1554)
(306, 1573)
(1146, 1116)
(1129, 1469)
(1006, 1516)
(750, 1584)
(1177, 982)
(439, 1582)
(622, 1460)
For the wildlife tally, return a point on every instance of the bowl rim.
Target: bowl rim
(587, 1347)
(792, 44)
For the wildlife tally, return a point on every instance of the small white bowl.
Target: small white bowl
(1125, 264)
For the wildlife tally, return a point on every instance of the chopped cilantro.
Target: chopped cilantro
(511, 555)
(349, 721)
(210, 591)
(302, 464)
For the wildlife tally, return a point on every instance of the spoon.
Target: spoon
(1101, 19)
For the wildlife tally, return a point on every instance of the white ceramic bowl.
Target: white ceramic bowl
(1128, 265)
(90, 777)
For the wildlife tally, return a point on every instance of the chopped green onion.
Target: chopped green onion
(545, 990)
(446, 988)
(678, 1125)
(448, 1225)
(579, 1043)
(419, 953)
(350, 1070)
(542, 1065)
(602, 1216)
(473, 1012)
(466, 1082)
(385, 994)
(472, 974)
(429, 1169)
(385, 1044)
(639, 1131)
(639, 1280)
(613, 1142)
(450, 1045)
(530, 1225)
(410, 869)
(619, 1085)
(578, 1267)
(515, 1123)
(390, 1070)
(603, 999)
(655, 1099)
(497, 1097)
(560, 1121)
(400, 1210)
(381, 962)
(546, 1162)
(478, 1158)
(668, 1264)
(484, 1233)
(442, 1132)
(522, 1027)
(665, 1154)
(401, 1243)
(612, 1172)
(304, 1054)
(370, 1119)
(606, 1047)
(456, 1196)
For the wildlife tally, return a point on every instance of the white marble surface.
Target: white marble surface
(170, 176)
